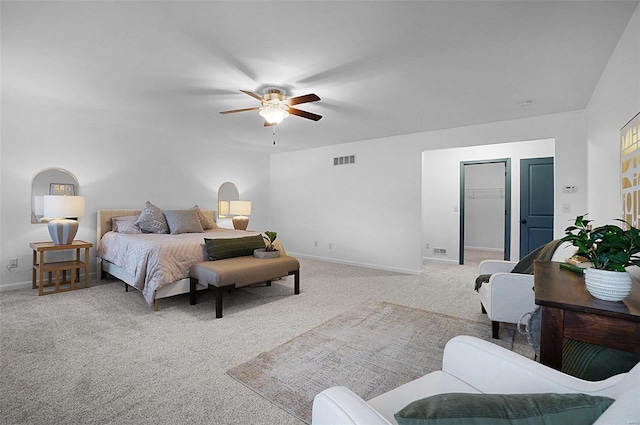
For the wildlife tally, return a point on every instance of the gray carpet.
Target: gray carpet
(372, 348)
(102, 356)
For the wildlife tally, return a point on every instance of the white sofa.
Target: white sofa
(507, 296)
(472, 365)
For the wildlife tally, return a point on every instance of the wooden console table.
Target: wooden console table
(568, 310)
(40, 266)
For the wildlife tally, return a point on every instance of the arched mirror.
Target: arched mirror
(226, 193)
(52, 181)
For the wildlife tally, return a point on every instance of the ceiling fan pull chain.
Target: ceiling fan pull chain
(274, 134)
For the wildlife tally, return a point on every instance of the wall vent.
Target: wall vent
(343, 160)
(439, 250)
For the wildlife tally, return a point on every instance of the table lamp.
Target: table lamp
(61, 208)
(240, 210)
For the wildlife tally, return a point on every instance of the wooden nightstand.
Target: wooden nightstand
(40, 267)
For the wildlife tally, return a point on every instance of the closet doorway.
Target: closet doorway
(485, 208)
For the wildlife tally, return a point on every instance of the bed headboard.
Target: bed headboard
(105, 216)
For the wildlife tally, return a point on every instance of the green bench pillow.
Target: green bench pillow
(219, 249)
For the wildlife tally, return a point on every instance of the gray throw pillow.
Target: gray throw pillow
(503, 409)
(125, 224)
(183, 221)
(151, 220)
(204, 221)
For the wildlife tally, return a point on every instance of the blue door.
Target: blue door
(536, 203)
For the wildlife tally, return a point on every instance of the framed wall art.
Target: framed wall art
(630, 171)
(65, 189)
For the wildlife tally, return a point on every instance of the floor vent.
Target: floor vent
(439, 250)
(343, 160)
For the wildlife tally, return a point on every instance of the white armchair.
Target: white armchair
(472, 365)
(506, 297)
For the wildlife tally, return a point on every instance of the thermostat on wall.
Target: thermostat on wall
(569, 189)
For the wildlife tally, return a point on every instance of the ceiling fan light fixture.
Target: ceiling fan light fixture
(274, 112)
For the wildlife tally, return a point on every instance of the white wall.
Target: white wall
(441, 220)
(118, 165)
(614, 102)
(371, 211)
(310, 198)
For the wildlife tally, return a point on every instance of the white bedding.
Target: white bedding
(156, 260)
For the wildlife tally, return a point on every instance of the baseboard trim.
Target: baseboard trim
(440, 260)
(14, 286)
(356, 263)
(481, 248)
(26, 285)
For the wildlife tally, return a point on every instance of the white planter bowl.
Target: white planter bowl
(263, 253)
(607, 285)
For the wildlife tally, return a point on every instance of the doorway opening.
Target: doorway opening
(485, 209)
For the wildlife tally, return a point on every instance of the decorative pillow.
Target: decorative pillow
(594, 362)
(183, 221)
(204, 221)
(497, 409)
(151, 220)
(219, 249)
(125, 224)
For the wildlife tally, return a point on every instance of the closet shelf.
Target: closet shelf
(485, 193)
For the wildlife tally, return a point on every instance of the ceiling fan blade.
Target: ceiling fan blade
(305, 114)
(252, 94)
(240, 110)
(302, 99)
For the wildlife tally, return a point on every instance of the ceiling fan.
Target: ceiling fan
(275, 106)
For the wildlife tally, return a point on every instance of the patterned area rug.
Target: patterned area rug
(371, 349)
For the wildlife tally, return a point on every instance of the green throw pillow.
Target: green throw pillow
(219, 249)
(502, 409)
(594, 362)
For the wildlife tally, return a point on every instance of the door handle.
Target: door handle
(523, 221)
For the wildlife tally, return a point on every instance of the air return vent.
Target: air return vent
(344, 160)
(439, 250)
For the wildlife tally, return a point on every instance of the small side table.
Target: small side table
(40, 267)
(568, 310)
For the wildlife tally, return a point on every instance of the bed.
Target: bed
(155, 264)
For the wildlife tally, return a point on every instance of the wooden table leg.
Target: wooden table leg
(551, 336)
(41, 267)
(57, 281)
(33, 271)
(86, 268)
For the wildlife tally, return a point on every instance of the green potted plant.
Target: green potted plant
(610, 249)
(270, 251)
(270, 237)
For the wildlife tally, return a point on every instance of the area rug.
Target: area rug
(371, 349)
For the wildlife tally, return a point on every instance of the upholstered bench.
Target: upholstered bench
(241, 271)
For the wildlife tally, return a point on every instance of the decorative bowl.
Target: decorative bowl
(263, 253)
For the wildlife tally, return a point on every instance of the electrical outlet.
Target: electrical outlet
(427, 246)
(13, 263)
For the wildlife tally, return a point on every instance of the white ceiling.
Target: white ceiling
(382, 68)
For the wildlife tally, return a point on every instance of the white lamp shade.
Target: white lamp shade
(223, 207)
(63, 206)
(240, 208)
(38, 205)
